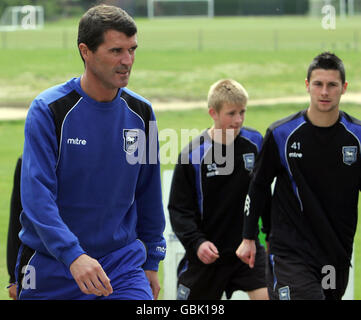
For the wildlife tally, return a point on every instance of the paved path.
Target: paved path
(18, 113)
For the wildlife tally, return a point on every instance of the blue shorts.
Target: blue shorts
(43, 277)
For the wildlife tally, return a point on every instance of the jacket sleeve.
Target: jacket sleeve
(148, 197)
(43, 228)
(13, 242)
(258, 200)
(183, 208)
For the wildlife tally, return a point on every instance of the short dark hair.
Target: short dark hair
(99, 19)
(327, 61)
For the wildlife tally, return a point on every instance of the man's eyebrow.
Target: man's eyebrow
(119, 48)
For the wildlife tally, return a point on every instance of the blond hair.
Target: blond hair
(226, 91)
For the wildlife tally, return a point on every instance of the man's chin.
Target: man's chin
(123, 83)
(236, 131)
(232, 133)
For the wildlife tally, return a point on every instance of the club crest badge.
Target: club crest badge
(131, 137)
(183, 292)
(248, 159)
(284, 293)
(349, 155)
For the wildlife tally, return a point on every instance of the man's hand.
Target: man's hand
(154, 282)
(207, 252)
(247, 252)
(12, 291)
(90, 276)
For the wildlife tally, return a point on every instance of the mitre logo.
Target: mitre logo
(76, 141)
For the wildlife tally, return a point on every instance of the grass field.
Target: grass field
(178, 59)
(11, 140)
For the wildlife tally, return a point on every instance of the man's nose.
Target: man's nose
(127, 58)
(238, 118)
(324, 90)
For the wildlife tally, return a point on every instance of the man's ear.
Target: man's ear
(213, 113)
(84, 50)
(344, 87)
(307, 85)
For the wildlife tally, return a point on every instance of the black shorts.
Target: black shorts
(198, 281)
(289, 278)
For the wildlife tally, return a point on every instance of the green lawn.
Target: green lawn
(180, 58)
(177, 59)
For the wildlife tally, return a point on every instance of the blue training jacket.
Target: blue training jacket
(91, 175)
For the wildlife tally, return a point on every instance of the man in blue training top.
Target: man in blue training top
(92, 220)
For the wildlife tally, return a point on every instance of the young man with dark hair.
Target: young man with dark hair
(315, 157)
(92, 222)
(209, 186)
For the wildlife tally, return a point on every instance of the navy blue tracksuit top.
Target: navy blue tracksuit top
(91, 175)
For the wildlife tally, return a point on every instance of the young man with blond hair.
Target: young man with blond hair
(208, 190)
